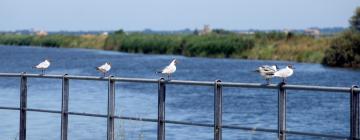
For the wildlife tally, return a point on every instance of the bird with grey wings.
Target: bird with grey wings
(170, 69)
(43, 66)
(267, 72)
(285, 72)
(104, 68)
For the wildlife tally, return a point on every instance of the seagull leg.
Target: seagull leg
(169, 77)
(267, 81)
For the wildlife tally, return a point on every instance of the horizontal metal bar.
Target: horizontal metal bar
(88, 114)
(135, 119)
(180, 122)
(9, 108)
(317, 135)
(250, 128)
(185, 82)
(138, 80)
(189, 123)
(289, 87)
(10, 74)
(250, 85)
(319, 88)
(42, 110)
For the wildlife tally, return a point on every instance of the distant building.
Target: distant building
(246, 32)
(286, 31)
(105, 33)
(312, 32)
(41, 33)
(205, 30)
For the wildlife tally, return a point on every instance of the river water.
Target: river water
(307, 111)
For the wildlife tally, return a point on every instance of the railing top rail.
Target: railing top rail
(187, 82)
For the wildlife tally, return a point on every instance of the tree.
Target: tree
(344, 50)
(120, 31)
(222, 31)
(355, 20)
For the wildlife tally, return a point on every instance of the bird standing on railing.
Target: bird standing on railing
(170, 69)
(267, 72)
(43, 66)
(285, 72)
(104, 68)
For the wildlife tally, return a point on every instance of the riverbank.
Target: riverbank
(265, 46)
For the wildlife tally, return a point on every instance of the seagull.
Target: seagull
(170, 69)
(43, 66)
(104, 68)
(267, 72)
(285, 72)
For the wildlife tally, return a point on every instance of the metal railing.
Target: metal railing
(161, 121)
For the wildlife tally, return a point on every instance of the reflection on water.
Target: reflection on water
(306, 111)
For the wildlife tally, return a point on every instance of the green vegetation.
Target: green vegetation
(344, 50)
(67, 41)
(292, 47)
(219, 44)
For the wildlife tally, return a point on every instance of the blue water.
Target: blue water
(307, 111)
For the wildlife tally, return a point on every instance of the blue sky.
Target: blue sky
(77, 15)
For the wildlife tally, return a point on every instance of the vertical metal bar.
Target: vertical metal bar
(354, 114)
(64, 107)
(282, 112)
(23, 104)
(161, 109)
(111, 110)
(217, 110)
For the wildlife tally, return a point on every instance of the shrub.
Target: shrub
(344, 50)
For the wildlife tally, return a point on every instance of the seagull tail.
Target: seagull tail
(97, 68)
(158, 72)
(256, 71)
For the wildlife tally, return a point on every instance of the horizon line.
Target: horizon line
(135, 30)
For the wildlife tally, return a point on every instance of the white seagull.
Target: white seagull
(267, 72)
(104, 68)
(285, 72)
(170, 69)
(43, 65)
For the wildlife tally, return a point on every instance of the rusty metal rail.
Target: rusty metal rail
(161, 121)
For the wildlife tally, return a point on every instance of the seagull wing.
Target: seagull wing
(169, 69)
(267, 69)
(166, 69)
(282, 73)
(42, 65)
(107, 67)
(102, 68)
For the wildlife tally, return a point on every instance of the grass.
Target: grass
(264, 46)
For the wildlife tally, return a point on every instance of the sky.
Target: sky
(83, 15)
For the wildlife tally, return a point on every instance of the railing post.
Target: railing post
(282, 112)
(161, 109)
(23, 104)
(354, 114)
(64, 107)
(217, 110)
(111, 110)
